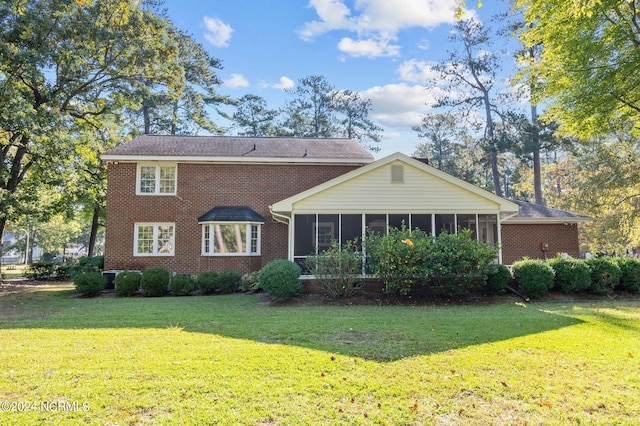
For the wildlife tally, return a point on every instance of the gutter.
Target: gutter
(280, 218)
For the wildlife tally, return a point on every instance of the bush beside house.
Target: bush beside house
(281, 279)
(127, 283)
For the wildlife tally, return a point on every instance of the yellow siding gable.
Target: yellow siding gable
(418, 192)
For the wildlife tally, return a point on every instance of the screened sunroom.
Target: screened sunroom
(391, 192)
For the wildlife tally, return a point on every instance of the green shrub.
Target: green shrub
(207, 282)
(400, 258)
(40, 270)
(280, 278)
(228, 282)
(49, 269)
(127, 283)
(630, 280)
(452, 264)
(459, 263)
(572, 275)
(182, 285)
(154, 282)
(498, 277)
(337, 270)
(89, 284)
(535, 277)
(605, 274)
(249, 282)
(87, 264)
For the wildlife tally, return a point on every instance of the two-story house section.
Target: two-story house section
(194, 204)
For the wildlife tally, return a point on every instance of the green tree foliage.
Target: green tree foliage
(67, 61)
(600, 179)
(587, 68)
(443, 146)
(315, 109)
(353, 113)
(310, 111)
(185, 112)
(253, 118)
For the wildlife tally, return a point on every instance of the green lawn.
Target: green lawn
(232, 360)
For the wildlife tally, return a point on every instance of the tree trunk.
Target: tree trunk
(145, 115)
(537, 175)
(94, 230)
(3, 222)
(493, 150)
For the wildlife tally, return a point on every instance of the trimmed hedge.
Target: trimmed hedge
(281, 279)
(154, 282)
(127, 283)
(207, 282)
(228, 282)
(572, 275)
(89, 284)
(535, 277)
(605, 274)
(630, 279)
(182, 285)
(498, 277)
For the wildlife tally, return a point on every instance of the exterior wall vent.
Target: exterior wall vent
(397, 174)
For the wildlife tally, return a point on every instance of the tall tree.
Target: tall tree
(353, 119)
(66, 60)
(600, 178)
(310, 110)
(468, 76)
(315, 109)
(166, 111)
(441, 132)
(588, 68)
(253, 118)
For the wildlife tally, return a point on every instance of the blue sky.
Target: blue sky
(379, 48)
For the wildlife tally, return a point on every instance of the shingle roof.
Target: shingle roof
(530, 212)
(205, 148)
(231, 214)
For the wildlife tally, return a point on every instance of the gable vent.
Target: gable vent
(397, 174)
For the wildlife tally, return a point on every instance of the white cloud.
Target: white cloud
(369, 48)
(415, 71)
(285, 83)
(217, 32)
(400, 105)
(378, 20)
(236, 80)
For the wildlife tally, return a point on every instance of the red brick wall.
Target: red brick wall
(519, 241)
(200, 188)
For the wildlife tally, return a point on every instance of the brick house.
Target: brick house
(194, 204)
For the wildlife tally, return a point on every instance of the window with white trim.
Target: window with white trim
(154, 239)
(230, 239)
(156, 179)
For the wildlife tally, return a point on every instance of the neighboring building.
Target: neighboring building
(195, 204)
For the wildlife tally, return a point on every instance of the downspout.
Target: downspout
(280, 218)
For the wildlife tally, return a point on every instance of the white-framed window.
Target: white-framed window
(230, 239)
(154, 239)
(156, 179)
